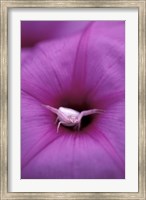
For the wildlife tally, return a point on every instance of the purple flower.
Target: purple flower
(84, 70)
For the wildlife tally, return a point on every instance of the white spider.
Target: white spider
(70, 117)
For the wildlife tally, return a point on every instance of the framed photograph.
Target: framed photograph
(73, 99)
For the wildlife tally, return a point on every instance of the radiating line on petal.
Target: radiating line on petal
(80, 71)
(31, 95)
(37, 148)
(111, 99)
(107, 145)
(53, 66)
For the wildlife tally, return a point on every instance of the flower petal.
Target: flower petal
(73, 157)
(33, 32)
(38, 128)
(47, 72)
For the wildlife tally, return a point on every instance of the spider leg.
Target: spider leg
(79, 126)
(58, 126)
(52, 109)
(88, 112)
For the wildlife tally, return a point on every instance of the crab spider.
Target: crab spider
(70, 117)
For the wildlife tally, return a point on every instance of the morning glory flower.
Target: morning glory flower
(84, 70)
